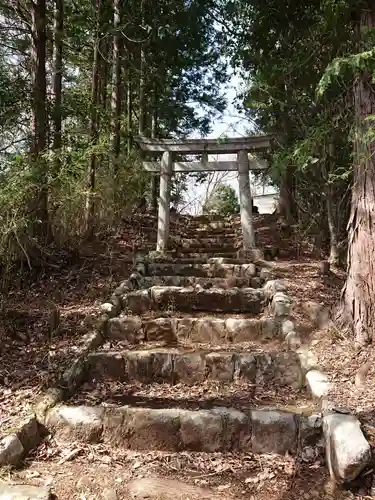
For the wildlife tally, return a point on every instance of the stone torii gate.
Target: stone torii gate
(169, 148)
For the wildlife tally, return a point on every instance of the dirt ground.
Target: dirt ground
(31, 359)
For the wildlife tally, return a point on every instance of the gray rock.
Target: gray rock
(11, 450)
(318, 383)
(271, 287)
(81, 423)
(347, 449)
(293, 340)
(287, 327)
(156, 488)
(24, 492)
(273, 431)
(189, 368)
(281, 305)
(109, 494)
(138, 302)
(210, 330)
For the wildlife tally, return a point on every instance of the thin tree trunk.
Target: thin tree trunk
(57, 81)
(154, 125)
(129, 104)
(94, 127)
(358, 304)
(332, 226)
(41, 226)
(142, 82)
(286, 203)
(116, 89)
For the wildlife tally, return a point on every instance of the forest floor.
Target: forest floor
(31, 361)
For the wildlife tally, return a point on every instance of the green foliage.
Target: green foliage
(222, 201)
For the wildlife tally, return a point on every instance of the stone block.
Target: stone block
(127, 328)
(137, 302)
(246, 366)
(114, 431)
(76, 423)
(173, 298)
(248, 270)
(162, 365)
(220, 366)
(186, 328)
(139, 366)
(107, 365)
(24, 492)
(237, 429)
(11, 450)
(210, 330)
(271, 287)
(243, 329)
(318, 383)
(202, 431)
(28, 433)
(160, 329)
(273, 432)
(281, 305)
(189, 368)
(147, 429)
(347, 449)
(310, 429)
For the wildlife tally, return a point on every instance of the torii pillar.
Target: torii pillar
(164, 202)
(245, 201)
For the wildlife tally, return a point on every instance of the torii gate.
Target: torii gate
(243, 147)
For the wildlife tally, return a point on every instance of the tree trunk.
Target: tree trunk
(286, 204)
(142, 82)
(41, 226)
(358, 306)
(334, 258)
(154, 124)
(116, 89)
(129, 103)
(94, 127)
(57, 81)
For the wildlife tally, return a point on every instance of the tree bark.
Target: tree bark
(358, 306)
(286, 204)
(129, 103)
(57, 81)
(116, 89)
(94, 126)
(41, 226)
(142, 82)
(154, 124)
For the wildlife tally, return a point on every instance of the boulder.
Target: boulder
(11, 450)
(347, 450)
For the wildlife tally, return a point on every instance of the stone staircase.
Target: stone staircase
(197, 328)
(196, 352)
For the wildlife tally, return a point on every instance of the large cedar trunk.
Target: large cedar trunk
(41, 226)
(358, 305)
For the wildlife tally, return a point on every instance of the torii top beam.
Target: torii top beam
(209, 146)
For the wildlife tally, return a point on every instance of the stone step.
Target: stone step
(175, 366)
(202, 268)
(134, 329)
(184, 246)
(205, 255)
(247, 300)
(219, 429)
(185, 281)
